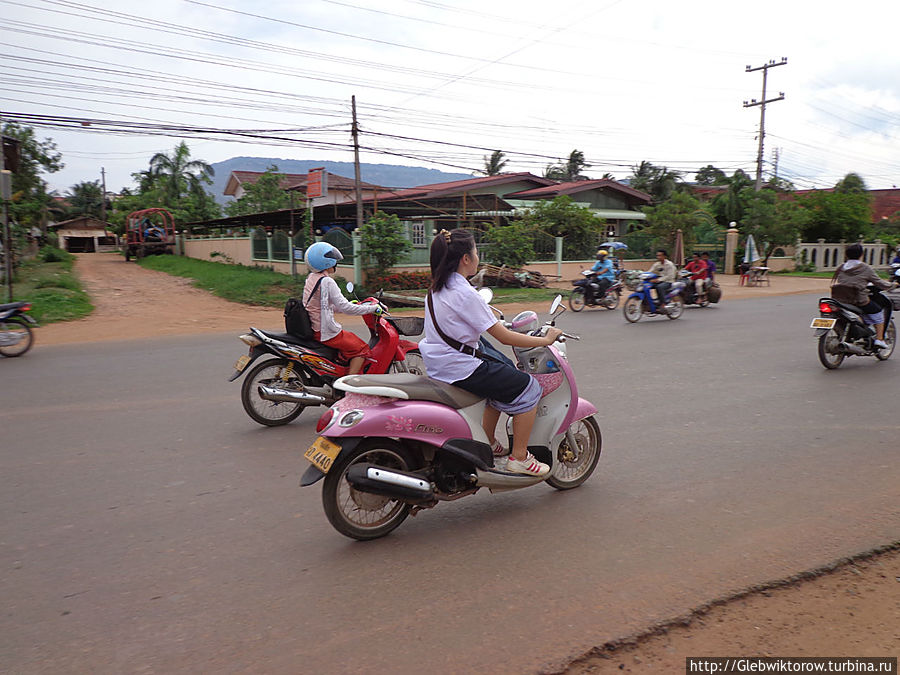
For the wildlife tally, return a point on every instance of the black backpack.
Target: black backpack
(296, 318)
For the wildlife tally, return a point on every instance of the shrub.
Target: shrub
(52, 254)
(511, 245)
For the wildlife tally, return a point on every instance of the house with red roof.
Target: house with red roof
(340, 188)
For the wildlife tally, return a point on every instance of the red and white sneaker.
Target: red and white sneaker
(499, 450)
(528, 466)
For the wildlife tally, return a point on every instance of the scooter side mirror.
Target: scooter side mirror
(350, 287)
(557, 302)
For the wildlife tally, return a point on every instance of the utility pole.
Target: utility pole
(762, 113)
(103, 195)
(6, 187)
(355, 132)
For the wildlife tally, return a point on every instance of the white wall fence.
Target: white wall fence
(828, 256)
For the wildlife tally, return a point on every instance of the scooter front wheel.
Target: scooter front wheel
(573, 466)
(675, 308)
(610, 300)
(576, 300)
(633, 309)
(363, 515)
(16, 337)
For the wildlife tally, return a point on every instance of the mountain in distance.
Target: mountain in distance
(385, 175)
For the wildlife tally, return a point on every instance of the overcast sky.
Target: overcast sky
(621, 81)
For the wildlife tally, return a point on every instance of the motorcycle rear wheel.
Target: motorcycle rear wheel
(577, 300)
(571, 473)
(412, 364)
(633, 310)
(675, 308)
(890, 336)
(25, 338)
(270, 413)
(363, 515)
(828, 354)
(610, 300)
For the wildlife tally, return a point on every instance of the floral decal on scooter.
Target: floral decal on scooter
(398, 424)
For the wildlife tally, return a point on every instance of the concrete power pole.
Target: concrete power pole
(762, 113)
(357, 182)
(103, 195)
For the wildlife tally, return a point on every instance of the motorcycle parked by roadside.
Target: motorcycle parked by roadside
(302, 371)
(397, 444)
(16, 336)
(587, 293)
(841, 331)
(643, 301)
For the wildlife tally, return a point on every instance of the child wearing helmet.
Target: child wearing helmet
(322, 259)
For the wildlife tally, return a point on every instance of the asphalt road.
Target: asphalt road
(148, 525)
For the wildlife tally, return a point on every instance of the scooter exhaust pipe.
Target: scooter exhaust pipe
(288, 396)
(853, 349)
(389, 483)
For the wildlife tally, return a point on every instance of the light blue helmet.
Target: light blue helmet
(322, 255)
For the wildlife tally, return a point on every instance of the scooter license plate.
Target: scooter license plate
(322, 453)
(822, 322)
(241, 363)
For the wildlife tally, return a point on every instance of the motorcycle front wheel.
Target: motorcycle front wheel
(633, 309)
(363, 515)
(829, 355)
(573, 466)
(412, 364)
(576, 300)
(890, 336)
(16, 337)
(271, 372)
(675, 308)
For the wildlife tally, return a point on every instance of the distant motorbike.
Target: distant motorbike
(841, 331)
(16, 337)
(642, 300)
(587, 293)
(303, 371)
(712, 293)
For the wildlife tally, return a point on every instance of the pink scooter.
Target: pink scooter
(399, 443)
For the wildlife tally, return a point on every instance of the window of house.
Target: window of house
(417, 234)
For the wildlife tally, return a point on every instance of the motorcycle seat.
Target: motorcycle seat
(329, 353)
(847, 306)
(417, 387)
(12, 305)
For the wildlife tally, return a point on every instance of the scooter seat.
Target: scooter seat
(847, 306)
(12, 305)
(329, 353)
(417, 387)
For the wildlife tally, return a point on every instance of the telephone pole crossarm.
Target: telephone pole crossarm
(762, 111)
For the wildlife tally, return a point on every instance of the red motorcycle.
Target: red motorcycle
(302, 372)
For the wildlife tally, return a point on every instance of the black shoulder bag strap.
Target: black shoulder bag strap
(456, 344)
(315, 288)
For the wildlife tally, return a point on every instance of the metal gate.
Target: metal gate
(342, 241)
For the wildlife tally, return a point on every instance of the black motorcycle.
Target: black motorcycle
(842, 332)
(711, 294)
(16, 337)
(589, 292)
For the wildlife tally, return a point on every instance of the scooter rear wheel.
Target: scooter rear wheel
(363, 515)
(573, 466)
(576, 300)
(829, 355)
(270, 413)
(412, 364)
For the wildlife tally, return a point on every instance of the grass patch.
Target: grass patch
(812, 275)
(49, 283)
(237, 283)
(505, 295)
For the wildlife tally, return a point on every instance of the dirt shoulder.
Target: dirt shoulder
(854, 610)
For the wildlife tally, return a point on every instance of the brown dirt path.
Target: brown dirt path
(852, 611)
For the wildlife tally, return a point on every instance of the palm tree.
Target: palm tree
(494, 164)
(178, 175)
(86, 198)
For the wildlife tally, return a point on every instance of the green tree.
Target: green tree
(511, 245)
(578, 225)
(266, 194)
(384, 242)
(656, 181)
(30, 197)
(86, 198)
(494, 164)
(710, 175)
(773, 222)
(852, 183)
(570, 170)
(729, 206)
(677, 213)
(177, 175)
(837, 215)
